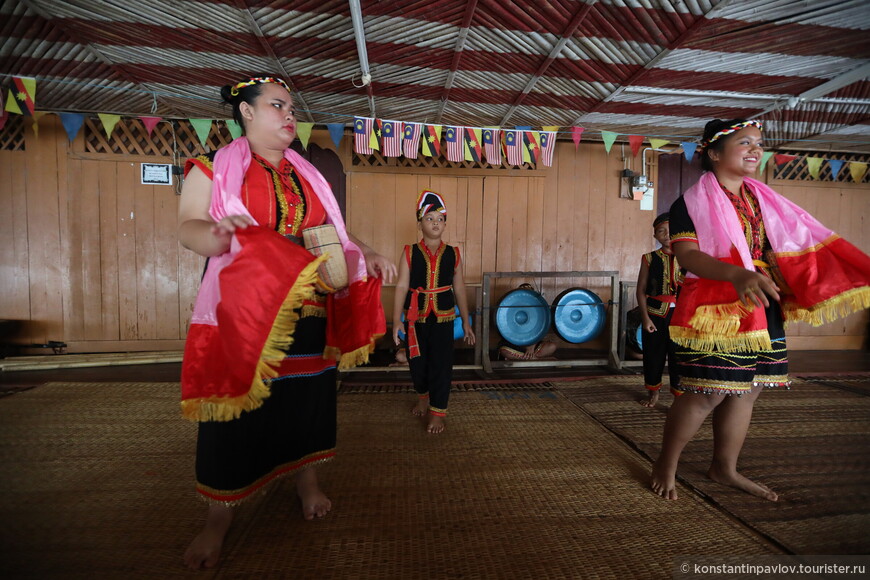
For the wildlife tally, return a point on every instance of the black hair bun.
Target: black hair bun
(226, 95)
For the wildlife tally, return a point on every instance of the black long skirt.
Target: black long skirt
(293, 429)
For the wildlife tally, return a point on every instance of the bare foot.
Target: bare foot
(205, 549)
(663, 482)
(421, 408)
(742, 483)
(315, 504)
(436, 424)
(652, 400)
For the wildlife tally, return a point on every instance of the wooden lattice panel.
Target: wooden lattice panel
(12, 135)
(170, 138)
(798, 170)
(424, 162)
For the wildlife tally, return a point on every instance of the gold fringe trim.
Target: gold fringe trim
(720, 319)
(705, 342)
(280, 338)
(312, 310)
(830, 310)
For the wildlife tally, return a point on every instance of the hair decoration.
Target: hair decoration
(732, 129)
(257, 81)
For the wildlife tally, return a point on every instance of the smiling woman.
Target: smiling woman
(753, 261)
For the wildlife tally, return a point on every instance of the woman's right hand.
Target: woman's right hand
(648, 324)
(754, 287)
(396, 338)
(228, 225)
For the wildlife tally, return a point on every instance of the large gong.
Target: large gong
(578, 315)
(522, 317)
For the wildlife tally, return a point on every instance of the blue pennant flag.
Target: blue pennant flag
(688, 149)
(336, 131)
(72, 123)
(836, 165)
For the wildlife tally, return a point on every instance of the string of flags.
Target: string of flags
(520, 145)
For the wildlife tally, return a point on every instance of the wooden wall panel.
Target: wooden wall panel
(91, 257)
(14, 254)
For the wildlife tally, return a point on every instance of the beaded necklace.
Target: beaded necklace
(750, 214)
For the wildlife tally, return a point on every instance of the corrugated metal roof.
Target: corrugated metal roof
(645, 67)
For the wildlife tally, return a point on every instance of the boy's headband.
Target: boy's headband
(257, 81)
(732, 129)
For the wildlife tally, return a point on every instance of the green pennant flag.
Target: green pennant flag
(608, 137)
(203, 128)
(303, 131)
(765, 157)
(109, 121)
(234, 128)
(813, 164)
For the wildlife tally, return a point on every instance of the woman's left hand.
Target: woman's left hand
(469, 333)
(380, 267)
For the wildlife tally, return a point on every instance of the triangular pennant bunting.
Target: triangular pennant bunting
(37, 115)
(836, 165)
(576, 135)
(202, 128)
(109, 121)
(688, 149)
(234, 128)
(336, 132)
(781, 158)
(765, 157)
(636, 142)
(858, 170)
(303, 131)
(72, 123)
(813, 164)
(658, 143)
(608, 137)
(150, 123)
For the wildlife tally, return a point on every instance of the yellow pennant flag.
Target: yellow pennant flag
(303, 131)
(658, 143)
(37, 115)
(813, 164)
(857, 169)
(109, 121)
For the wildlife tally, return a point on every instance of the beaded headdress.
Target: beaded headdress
(728, 130)
(234, 91)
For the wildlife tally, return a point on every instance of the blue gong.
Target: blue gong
(578, 314)
(522, 317)
(458, 332)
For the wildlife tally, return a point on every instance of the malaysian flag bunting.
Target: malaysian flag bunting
(411, 142)
(492, 146)
(472, 144)
(431, 141)
(514, 147)
(455, 143)
(531, 138)
(362, 132)
(22, 96)
(391, 138)
(548, 145)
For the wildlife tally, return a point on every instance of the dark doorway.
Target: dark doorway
(676, 175)
(328, 163)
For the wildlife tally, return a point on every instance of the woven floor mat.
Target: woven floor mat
(98, 483)
(810, 444)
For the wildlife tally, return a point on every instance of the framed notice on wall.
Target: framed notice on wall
(156, 174)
